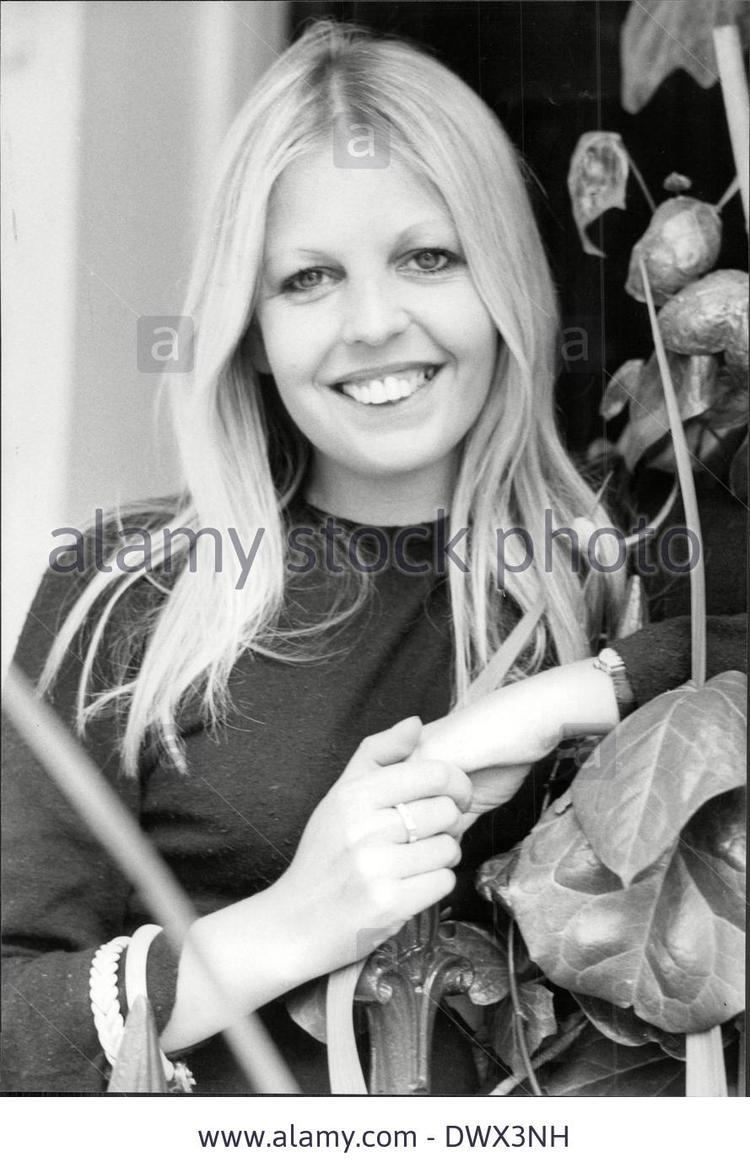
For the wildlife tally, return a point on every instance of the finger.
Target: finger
(386, 748)
(419, 892)
(430, 816)
(428, 855)
(407, 781)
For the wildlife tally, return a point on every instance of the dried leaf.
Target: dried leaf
(539, 1020)
(657, 768)
(494, 876)
(711, 437)
(659, 36)
(676, 184)
(598, 1067)
(488, 956)
(709, 316)
(597, 180)
(307, 1006)
(621, 388)
(625, 1027)
(680, 244)
(696, 382)
(698, 387)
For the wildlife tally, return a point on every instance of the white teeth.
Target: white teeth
(390, 389)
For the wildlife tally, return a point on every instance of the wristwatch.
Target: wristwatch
(612, 663)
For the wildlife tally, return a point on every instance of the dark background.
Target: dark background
(550, 70)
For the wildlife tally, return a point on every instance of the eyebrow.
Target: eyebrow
(428, 227)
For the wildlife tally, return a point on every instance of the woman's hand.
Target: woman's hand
(354, 881)
(497, 738)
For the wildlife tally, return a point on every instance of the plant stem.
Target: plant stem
(560, 1044)
(518, 1026)
(642, 184)
(689, 498)
(655, 522)
(705, 1073)
(729, 194)
(734, 90)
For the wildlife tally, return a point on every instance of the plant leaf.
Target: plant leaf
(708, 316)
(307, 1006)
(537, 1011)
(680, 244)
(597, 179)
(670, 945)
(698, 387)
(621, 388)
(598, 1067)
(138, 1067)
(488, 956)
(659, 36)
(657, 768)
(712, 437)
(623, 1026)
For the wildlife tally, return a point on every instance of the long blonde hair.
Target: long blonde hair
(243, 463)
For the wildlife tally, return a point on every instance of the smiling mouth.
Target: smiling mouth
(390, 389)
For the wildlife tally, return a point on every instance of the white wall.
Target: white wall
(112, 114)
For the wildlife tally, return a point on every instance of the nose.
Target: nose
(373, 312)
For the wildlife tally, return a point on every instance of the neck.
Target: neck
(401, 499)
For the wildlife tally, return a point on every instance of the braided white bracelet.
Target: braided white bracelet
(105, 1004)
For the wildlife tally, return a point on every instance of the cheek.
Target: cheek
(293, 345)
(463, 324)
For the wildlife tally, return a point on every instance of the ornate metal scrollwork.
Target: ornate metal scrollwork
(401, 987)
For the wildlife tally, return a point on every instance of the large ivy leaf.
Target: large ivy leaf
(539, 1022)
(625, 1027)
(670, 945)
(599, 1067)
(597, 179)
(488, 956)
(655, 770)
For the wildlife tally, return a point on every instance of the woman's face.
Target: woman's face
(379, 344)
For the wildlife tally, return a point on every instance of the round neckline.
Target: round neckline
(304, 506)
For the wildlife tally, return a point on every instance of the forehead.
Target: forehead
(315, 202)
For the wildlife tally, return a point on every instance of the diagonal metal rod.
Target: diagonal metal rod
(89, 793)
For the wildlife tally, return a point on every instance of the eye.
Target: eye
(432, 260)
(305, 281)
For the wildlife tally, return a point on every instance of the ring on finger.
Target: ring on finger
(409, 825)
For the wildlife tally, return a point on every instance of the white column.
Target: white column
(42, 50)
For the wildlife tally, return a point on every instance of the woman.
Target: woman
(375, 333)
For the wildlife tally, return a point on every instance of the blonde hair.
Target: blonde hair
(243, 462)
